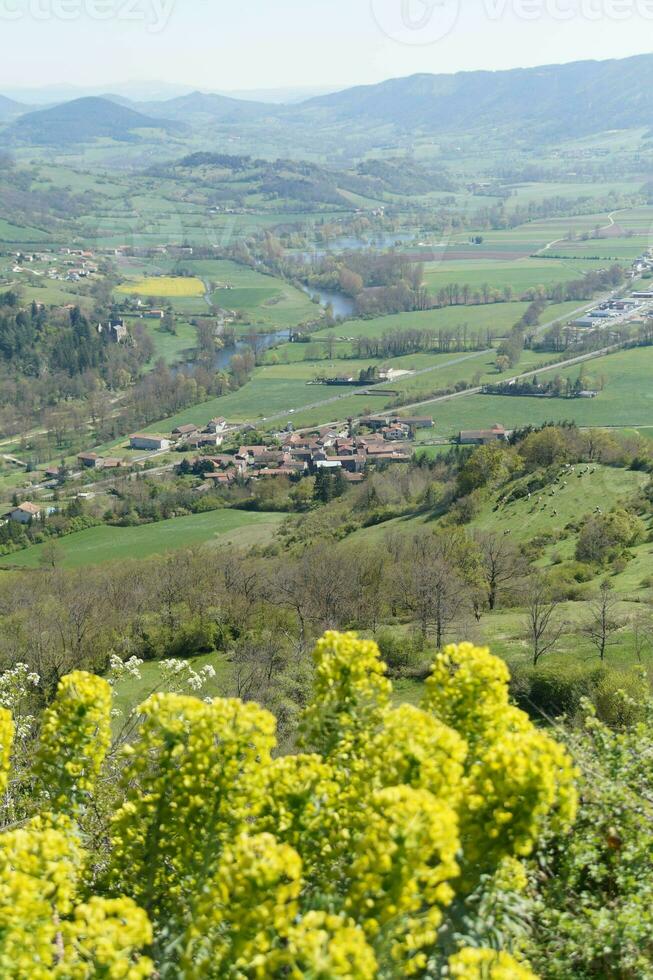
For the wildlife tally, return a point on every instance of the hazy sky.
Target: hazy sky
(255, 44)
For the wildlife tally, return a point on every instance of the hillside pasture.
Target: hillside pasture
(220, 528)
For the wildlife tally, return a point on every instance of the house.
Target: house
(374, 422)
(221, 478)
(148, 441)
(115, 330)
(90, 461)
(216, 425)
(112, 463)
(252, 452)
(482, 437)
(25, 513)
(395, 432)
(182, 431)
(352, 464)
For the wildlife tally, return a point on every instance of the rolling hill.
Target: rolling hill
(80, 121)
(9, 109)
(554, 100)
(212, 108)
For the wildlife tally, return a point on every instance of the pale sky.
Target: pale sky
(259, 44)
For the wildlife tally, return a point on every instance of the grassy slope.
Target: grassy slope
(101, 544)
(504, 629)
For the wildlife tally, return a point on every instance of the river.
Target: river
(343, 306)
(223, 356)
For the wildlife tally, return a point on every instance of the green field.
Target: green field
(172, 348)
(625, 402)
(21, 234)
(130, 692)
(520, 274)
(100, 544)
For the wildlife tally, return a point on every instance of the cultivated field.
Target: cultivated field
(164, 286)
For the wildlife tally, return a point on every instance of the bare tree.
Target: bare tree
(543, 628)
(431, 586)
(502, 564)
(642, 629)
(604, 622)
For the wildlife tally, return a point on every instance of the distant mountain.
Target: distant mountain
(80, 121)
(10, 110)
(548, 103)
(209, 107)
(278, 96)
(554, 100)
(120, 100)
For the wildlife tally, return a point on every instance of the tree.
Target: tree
(486, 466)
(543, 629)
(502, 565)
(51, 554)
(605, 621)
(604, 537)
(323, 486)
(545, 448)
(502, 363)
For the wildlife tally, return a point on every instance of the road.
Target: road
(557, 241)
(569, 362)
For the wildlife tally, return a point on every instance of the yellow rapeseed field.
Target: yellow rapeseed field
(164, 286)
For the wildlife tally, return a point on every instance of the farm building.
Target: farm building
(90, 461)
(185, 430)
(482, 437)
(147, 441)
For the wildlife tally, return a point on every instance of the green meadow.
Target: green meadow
(626, 401)
(101, 544)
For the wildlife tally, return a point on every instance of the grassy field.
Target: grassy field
(625, 402)
(130, 692)
(21, 234)
(171, 347)
(101, 544)
(520, 274)
(165, 286)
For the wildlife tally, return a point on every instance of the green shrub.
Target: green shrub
(553, 691)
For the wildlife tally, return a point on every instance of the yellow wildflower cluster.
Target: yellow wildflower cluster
(487, 964)
(43, 935)
(75, 737)
(7, 731)
(191, 784)
(516, 777)
(350, 693)
(223, 862)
